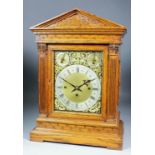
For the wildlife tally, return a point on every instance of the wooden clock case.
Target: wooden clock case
(79, 30)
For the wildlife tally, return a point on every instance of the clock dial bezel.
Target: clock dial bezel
(69, 99)
(51, 90)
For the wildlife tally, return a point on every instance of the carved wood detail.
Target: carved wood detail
(93, 39)
(79, 21)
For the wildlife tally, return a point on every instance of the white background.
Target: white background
(143, 85)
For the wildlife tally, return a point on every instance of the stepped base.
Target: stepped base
(110, 137)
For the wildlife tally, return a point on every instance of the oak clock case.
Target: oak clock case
(79, 80)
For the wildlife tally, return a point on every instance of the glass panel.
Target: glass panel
(78, 81)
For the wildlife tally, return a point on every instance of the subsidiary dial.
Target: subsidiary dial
(93, 60)
(62, 59)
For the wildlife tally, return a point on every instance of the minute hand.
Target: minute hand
(69, 83)
(85, 83)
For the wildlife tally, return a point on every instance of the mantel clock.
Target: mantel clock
(79, 80)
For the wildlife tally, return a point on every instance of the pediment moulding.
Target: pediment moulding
(78, 22)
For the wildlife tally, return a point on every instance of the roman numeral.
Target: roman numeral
(86, 105)
(61, 95)
(77, 69)
(68, 71)
(67, 103)
(87, 71)
(92, 97)
(76, 105)
(59, 87)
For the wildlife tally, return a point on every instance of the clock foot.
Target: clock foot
(109, 137)
(35, 138)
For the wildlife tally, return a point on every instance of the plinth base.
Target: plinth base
(110, 137)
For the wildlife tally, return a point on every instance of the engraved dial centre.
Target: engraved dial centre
(77, 94)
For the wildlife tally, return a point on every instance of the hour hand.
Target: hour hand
(85, 82)
(68, 82)
(76, 88)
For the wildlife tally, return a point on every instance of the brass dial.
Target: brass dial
(62, 59)
(78, 81)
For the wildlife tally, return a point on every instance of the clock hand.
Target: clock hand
(85, 83)
(68, 82)
(76, 88)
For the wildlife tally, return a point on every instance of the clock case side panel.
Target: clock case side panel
(113, 82)
(42, 77)
(61, 114)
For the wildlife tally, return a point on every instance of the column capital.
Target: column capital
(113, 48)
(42, 47)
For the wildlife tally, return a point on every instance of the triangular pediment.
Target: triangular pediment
(77, 20)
